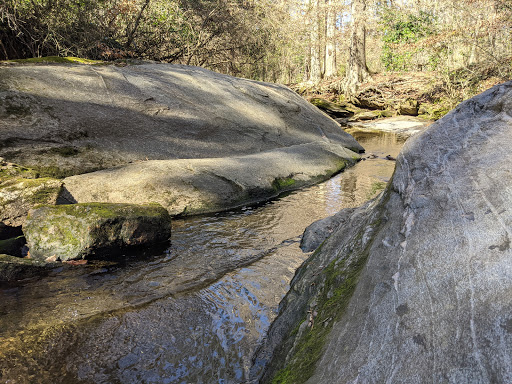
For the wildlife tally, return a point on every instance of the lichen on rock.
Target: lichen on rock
(20, 190)
(94, 230)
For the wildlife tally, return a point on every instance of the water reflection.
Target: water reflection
(193, 315)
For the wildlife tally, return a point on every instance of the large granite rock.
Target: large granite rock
(416, 287)
(78, 231)
(209, 185)
(69, 119)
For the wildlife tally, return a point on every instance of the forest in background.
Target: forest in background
(342, 43)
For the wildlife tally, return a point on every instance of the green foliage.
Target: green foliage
(237, 38)
(400, 30)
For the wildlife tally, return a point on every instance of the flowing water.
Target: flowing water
(193, 315)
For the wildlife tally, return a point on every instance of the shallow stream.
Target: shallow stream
(192, 315)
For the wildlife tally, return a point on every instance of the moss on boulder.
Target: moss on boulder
(21, 189)
(94, 230)
(56, 60)
(332, 109)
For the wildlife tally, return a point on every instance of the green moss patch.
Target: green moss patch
(340, 283)
(335, 284)
(283, 183)
(56, 59)
(13, 172)
(105, 210)
(375, 188)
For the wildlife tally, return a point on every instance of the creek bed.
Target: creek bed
(193, 315)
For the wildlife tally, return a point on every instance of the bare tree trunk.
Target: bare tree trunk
(316, 64)
(131, 34)
(330, 43)
(357, 70)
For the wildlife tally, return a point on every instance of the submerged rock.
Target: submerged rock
(94, 230)
(15, 268)
(12, 246)
(416, 286)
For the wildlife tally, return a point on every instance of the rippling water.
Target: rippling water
(192, 315)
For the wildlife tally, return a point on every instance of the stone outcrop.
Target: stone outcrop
(184, 137)
(70, 119)
(414, 287)
(78, 231)
(208, 185)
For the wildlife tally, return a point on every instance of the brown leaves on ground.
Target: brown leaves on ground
(75, 262)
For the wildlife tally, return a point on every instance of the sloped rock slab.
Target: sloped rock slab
(72, 119)
(70, 232)
(209, 185)
(418, 287)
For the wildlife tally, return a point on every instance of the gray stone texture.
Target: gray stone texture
(81, 118)
(434, 300)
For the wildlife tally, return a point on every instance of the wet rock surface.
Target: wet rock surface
(416, 286)
(14, 268)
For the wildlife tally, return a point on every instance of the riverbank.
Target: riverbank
(429, 95)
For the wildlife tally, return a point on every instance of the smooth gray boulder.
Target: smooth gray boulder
(208, 185)
(316, 233)
(416, 287)
(96, 230)
(71, 119)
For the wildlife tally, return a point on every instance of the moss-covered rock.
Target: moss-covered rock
(94, 230)
(21, 189)
(408, 107)
(434, 111)
(332, 109)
